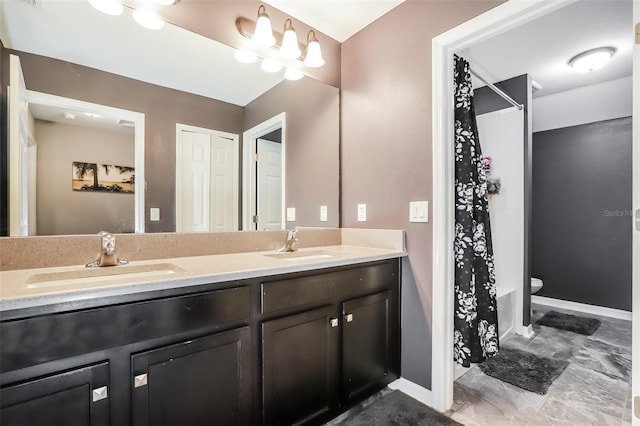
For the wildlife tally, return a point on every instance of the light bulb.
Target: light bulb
(314, 54)
(148, 19)
(110, 7)
(263, 35)
(293, 74)
(289, 47)
(269, 65)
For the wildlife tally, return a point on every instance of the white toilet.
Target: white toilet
(536, 285)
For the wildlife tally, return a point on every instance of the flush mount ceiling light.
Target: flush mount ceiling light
(263, 35)
(110, 7)
(593, 59)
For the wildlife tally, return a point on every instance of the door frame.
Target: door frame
(138, 118)
(502, 18)
(249, 139)
(234, 137)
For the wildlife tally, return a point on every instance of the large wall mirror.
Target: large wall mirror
(164, 93)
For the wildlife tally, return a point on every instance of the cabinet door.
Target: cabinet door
(74, 397)
(299, 367)
(367, 344)
(205, 381)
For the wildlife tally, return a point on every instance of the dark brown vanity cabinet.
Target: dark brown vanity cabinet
(284, 349)
(318, 362)
(200, 382)
(74, 397)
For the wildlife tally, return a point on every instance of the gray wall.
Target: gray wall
(311, 142)
(485, 101)
(385, 150)
(582, 213)
(163, 108)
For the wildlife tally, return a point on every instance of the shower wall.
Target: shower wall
(487, 101)
(502, 138)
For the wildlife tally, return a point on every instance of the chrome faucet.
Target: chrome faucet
(108, 256)
(291, 244)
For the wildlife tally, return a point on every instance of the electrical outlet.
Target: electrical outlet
(323, 213)
(362, 212)
(154, 214)
(291, 214)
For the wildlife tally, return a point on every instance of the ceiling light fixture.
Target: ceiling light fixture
(110, 7)
(263, 35)
(593, 59)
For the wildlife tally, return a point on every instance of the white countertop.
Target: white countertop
(28, 288)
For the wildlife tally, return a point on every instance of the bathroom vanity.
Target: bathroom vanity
(295, 338)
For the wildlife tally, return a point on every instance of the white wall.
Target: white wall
(604, 101)
(501, 136)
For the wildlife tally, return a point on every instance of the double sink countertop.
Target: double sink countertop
(36, 287)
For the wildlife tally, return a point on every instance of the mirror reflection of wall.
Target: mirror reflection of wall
(312, 120)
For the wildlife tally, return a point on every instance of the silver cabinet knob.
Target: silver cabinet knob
(333, 322)
(99, 394)
(140, 380)
(348, 317)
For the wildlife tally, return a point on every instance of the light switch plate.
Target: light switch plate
(154, 214)
(362, 212)
(291, 214)
(323, 213)
(419, 211)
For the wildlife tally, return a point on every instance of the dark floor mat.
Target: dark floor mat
(397, 409)
(524, 369)
(574, 323)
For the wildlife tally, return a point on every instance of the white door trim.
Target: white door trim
(136, 117)
(236, 141)
(635, 205)
(502, 18)
(249, 138)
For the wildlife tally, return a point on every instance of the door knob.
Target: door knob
(140, 380)
(348, 317)
(333, 322)
(99, 394)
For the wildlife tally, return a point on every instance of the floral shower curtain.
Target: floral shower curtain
(475, 310)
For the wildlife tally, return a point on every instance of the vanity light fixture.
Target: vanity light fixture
(289, 47)
(593, 59)
(263, 34)
(110, 7)
(314, 57)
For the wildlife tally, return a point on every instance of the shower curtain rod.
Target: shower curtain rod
(498, 91)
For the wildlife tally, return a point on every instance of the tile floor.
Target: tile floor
(595, 389)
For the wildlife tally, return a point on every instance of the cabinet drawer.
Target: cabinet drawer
(326, 288)
(36, 340)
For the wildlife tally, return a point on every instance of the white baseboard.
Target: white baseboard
(582, 307)
(415, 391)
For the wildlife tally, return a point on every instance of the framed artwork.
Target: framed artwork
(102, 178)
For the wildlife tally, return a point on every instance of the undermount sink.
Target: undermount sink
(96, 275)
(301, 255)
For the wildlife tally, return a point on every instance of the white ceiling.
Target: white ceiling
(543, 48)
(339, 19)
